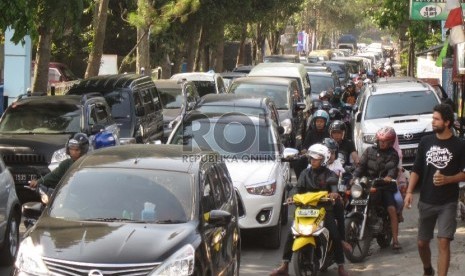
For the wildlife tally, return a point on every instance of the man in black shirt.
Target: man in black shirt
(439, 166)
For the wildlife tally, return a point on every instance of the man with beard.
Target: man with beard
(439, 166)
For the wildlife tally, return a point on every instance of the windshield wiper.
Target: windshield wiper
(398, 115)
(112, 220)
(170, 221)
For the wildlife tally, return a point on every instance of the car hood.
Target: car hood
(402, 125)
(98, 242)
(251, 172)
(40, 144)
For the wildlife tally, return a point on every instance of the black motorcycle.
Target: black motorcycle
(368, 218)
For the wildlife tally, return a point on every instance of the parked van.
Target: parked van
(134, 102)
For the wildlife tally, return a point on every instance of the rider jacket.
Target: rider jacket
(314, 180)
(52, 178)
(373, 163)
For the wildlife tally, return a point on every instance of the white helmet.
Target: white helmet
(319, 151)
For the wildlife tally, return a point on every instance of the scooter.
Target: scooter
(313, 249)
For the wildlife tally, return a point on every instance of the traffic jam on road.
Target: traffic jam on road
(170, 174)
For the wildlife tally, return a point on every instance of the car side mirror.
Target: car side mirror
(140, 111)
(219, 218)
(288, 154)
(32, 209)
(280, 130)
(300, 106)
(358, 119)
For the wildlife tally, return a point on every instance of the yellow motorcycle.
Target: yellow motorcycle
(312, 247)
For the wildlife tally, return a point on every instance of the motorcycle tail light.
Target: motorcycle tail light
(372, 190)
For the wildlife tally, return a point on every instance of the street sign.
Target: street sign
(430, 9)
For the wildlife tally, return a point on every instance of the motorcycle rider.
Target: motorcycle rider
(315, 134)
(314, 179)
(373, 164)
(350, 94)
(337, 131)
(334, 163)
(76, 147)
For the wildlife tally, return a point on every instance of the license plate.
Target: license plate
(23, 177)
(409, 152)
(359, 202)
(313, 213)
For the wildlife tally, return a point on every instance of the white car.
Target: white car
(405, 106)
(206, 82)
(252, 151)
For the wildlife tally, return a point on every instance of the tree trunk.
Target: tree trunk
(95, 55)
(219, 51)
(42, 61)
(260, 43)
(241, 53)
(143, 49)
(411, 55)
(192, 44)
(200, 56)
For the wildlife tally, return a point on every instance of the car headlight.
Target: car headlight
(356, 191)
(29, 259)
(180, 263)
(264, 189)
(287, 125)
(59, 155)
(369, 138)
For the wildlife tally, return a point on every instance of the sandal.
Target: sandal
(396, 246)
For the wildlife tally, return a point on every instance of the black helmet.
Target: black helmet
(80, 140)
(324, 95)
(326, 106)
(335, 114)
(331, 144)
(337, 126)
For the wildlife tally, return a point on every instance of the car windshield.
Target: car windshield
(400, 104)
(231, 139)
(119, 103)
(321, 83)
(278, 93)
(339, 69)
(42, 118)
(118, 194)
(171, 98)
(205, 87)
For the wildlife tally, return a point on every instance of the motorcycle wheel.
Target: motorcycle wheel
(353, 227)
(305, 261)
(384, 239)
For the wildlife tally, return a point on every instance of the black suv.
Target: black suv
(34, 131)
(134, 102)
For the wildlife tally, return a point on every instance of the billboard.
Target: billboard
(430, 9)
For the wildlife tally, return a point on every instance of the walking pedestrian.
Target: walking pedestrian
(439, 166)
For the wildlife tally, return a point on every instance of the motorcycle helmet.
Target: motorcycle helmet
(350, 84)
(319, 151)
(331, 145)
(335, 114)
(324, 95)
(386, 134)
(326, 106)
(79, 140)
(337, 126)
(319, 114)
(104, 139)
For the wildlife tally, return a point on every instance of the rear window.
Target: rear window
(400, 104)
(171, 97)
(320, 83)
(119, 103)
(278, 93)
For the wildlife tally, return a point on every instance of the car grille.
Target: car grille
(240, 205)
(65, 268)
(412, 138)
(24, 159)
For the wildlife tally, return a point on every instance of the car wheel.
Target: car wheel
(11, 241)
